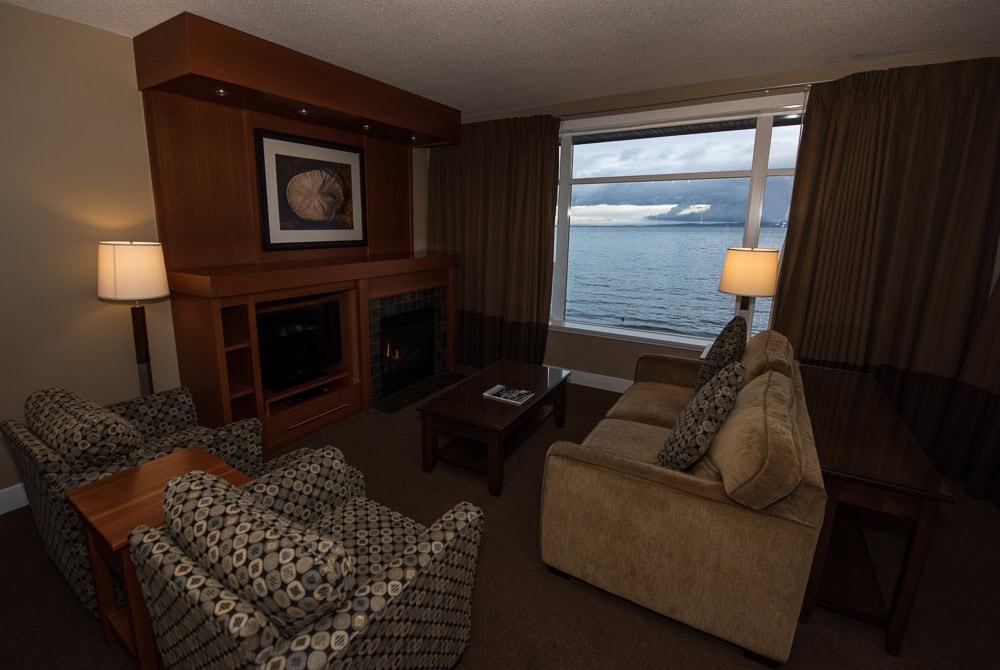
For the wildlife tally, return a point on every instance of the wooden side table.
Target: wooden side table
(870, 460)
(110, 508)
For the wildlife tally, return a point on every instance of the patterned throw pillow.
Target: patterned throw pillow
(697, 425)
(85, 434)
(728, 347)
(291, 573)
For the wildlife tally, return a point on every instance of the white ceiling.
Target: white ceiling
(499, 55)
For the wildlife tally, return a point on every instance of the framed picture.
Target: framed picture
(312, 193)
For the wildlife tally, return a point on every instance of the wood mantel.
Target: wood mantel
(220, 282)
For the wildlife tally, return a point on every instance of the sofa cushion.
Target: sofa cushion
(293, 574)
(767, 350)
(757, 450)
(727, 348)
(698, 424)
(653, 403)
(85, 434)
(628, 439)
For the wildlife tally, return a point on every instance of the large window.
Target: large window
(649, 203)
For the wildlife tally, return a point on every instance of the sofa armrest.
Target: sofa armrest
(159, 413)
(306, 483)
(240, 443)
(430, 581)
(612, 465)
(667, 369)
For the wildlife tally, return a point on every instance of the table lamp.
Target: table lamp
(133, 271)
(749, 272)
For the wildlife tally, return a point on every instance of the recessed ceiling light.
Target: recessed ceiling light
(304, 111)
(221, 92)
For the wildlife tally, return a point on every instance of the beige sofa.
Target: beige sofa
(725, 547)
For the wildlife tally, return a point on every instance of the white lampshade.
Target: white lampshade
(131, 271)
(750, 271)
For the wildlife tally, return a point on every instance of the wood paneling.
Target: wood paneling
(390, 197)
(204, 171)
(200, 182)
(194, 56)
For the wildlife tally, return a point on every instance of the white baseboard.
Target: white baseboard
(600, 381)
(12, 497)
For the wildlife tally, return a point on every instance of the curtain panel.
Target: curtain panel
(891, 246)
(492, 200)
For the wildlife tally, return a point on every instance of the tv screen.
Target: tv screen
(298, 344)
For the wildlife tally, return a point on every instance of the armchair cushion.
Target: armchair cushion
(306, 485)
(373, 535)
(699, 422)
(728, 347)
(81, 431)
(292, 574)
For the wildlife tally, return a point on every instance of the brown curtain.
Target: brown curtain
(492, 199)
(892, 242)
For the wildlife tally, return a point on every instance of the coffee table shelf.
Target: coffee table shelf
(484, 431)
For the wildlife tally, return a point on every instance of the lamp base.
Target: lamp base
(142, 350)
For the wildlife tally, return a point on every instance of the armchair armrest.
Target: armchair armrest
(159, 413)
(241, 444)
(306, 483)
(667, 369)
(203, 618)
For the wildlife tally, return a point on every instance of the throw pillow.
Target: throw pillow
(728, 347)
(291, 573)
(697, 425)
(85, 434)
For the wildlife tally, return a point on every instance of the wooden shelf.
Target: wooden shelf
(328, 379)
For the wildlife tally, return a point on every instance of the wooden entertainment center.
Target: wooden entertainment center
(206, 88)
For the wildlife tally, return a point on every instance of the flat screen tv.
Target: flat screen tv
(298, 344)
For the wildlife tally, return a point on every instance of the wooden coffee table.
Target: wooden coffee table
(483, 430)
(870, 460)
(110, 508)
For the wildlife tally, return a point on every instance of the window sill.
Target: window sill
(675, 340)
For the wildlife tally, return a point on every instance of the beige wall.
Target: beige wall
(73, 170)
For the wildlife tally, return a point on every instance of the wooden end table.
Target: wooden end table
(870, 460)
(484, 430)
(110, 508)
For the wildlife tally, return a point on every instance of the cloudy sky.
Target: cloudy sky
(678, 201)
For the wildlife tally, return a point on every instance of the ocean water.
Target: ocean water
(660, 278)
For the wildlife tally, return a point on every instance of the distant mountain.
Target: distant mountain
(726, 199)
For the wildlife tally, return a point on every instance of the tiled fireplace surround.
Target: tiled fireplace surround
(401, 304)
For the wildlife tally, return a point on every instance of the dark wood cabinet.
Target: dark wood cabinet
(206, 88)
(215, 322)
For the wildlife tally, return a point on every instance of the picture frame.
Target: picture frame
(312, 192)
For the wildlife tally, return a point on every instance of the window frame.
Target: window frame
(765, 109)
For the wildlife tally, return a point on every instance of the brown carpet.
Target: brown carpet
(526, 617)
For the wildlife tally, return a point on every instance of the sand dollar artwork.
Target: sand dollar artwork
(316, 195)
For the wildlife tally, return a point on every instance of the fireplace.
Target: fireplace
(407, 349)
(408, 341)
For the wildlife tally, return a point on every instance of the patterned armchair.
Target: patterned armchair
(67, 441)
(298, 569)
